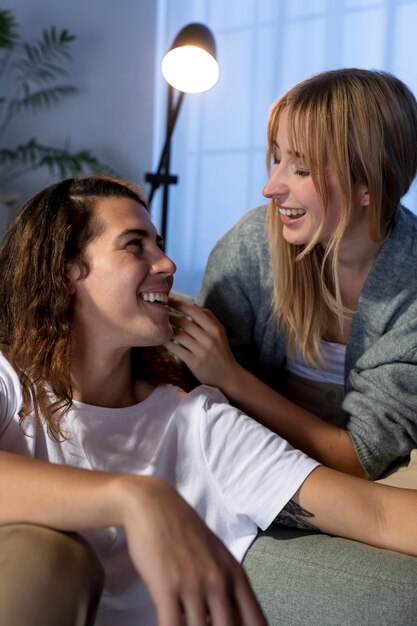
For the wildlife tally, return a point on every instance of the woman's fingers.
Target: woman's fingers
(201, 317)
(188, 326)
(201, 342)
(201, 325)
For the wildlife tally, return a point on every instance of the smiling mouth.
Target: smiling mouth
(154, 296)
(291, 213)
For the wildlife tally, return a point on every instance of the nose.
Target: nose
(162, 264)
(276, 184)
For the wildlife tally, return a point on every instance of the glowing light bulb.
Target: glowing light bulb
(190, 69)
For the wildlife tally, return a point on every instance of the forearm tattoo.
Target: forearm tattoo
(294, 515)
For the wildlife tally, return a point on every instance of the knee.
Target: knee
(45, 575)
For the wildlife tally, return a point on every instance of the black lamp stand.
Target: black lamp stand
(162, 175)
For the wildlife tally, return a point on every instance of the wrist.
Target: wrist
(131, 495)
(234, 382)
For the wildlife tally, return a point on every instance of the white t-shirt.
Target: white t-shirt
(237, 474)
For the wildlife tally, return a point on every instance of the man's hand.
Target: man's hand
(192, 578)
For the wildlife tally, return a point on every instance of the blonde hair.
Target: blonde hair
(363, 123)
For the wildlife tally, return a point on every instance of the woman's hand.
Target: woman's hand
(192, 578)
(201, 342)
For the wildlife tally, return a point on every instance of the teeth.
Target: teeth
(155, 297)
(291, 212)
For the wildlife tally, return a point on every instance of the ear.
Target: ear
(72, 275)
(362, 196)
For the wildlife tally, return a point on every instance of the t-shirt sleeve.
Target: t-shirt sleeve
(381, 403)
(10, 396)
(255, 471)
(3, 403)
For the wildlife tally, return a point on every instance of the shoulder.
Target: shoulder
(253, 223)
(223, 426)
(9, 378)
(190, 403)
(250, 231)
(255, 219)
(407, 218)
(10, 388)
(254, 469)
(402, 241)
(203, 397)
(206, 406)
(391, 287)
(238, 262)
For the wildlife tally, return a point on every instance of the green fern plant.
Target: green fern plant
(36, 72)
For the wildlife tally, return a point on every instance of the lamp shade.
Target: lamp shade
(190, 65)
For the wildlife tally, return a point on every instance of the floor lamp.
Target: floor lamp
(190, 66)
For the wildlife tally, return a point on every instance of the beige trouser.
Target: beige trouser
(404, 476)
(47, 578)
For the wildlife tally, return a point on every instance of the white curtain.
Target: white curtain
(264, 47)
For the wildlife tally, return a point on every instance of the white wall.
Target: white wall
(114, 68)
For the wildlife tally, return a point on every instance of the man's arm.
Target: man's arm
(295, 516)
(188, 571)
(350, 507)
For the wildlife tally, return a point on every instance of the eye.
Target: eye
(134, 245)
(302, 173)
(299, 171)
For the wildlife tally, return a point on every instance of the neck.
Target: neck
(357, 256)
(102, 377)
(97, 384)
(357, 252)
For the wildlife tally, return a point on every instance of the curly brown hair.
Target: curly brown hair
(49, 232)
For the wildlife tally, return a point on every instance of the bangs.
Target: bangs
(308, 135)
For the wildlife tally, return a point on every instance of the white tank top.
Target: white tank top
(332, 370)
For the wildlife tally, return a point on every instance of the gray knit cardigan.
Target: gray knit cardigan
(380, 400)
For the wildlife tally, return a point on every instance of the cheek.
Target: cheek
(306, 189)
(97, 289)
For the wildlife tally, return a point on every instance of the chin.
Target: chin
(153, 337)
(163, 336)
(297, 239)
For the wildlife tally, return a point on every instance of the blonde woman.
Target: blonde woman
(317, 296)
(325, 312)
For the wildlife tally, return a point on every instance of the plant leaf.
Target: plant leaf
(40, 99)
(62, 162)
(35, 67)
(41, 72)
(53, 45)
(9, 35)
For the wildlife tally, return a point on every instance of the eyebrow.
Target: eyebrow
(139, 232)
(299, 155)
